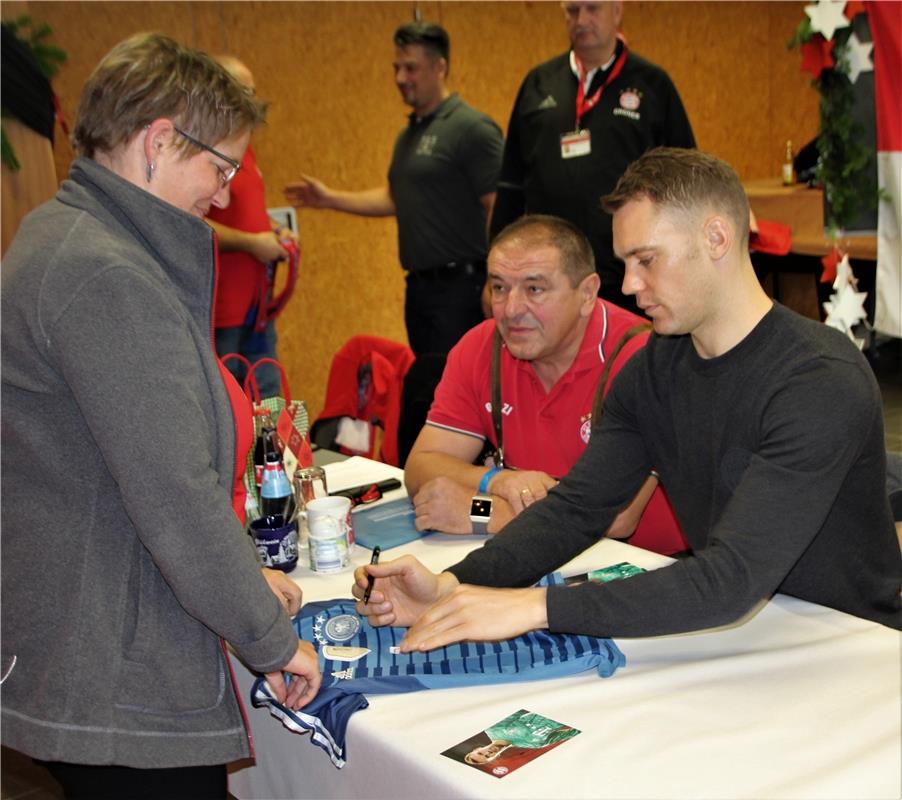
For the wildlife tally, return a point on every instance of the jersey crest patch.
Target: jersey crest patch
(342, 627)
(585, 428)
(426, 144)
(630, 99)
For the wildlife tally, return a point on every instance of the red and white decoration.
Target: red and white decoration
(885, 23)
(827, 17)
(885, 20)
(845, 308)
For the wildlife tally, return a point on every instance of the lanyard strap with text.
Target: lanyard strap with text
(583, 105)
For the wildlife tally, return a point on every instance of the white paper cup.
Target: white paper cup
(328, 525)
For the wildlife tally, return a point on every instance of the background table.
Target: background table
(794, 279)
(800, 701)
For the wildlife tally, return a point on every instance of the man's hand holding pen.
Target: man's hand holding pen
(401, 590)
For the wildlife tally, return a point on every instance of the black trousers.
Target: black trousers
(441, 305)
(88, 782)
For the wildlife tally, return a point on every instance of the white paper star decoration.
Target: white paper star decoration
(845, 308)
(844, 275)
(826, 16)
(859, 55)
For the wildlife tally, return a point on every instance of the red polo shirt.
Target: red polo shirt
(545, 431)
(242, 278)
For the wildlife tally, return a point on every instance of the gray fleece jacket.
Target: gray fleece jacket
(122, 561)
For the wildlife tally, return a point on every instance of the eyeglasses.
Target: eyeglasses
(225, 175)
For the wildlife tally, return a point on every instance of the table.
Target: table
(802, 208)
(795, 277)
(800, 701)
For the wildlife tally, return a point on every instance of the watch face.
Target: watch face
(481, 507)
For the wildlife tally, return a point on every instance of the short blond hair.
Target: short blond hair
(684, 179)
(149, 76)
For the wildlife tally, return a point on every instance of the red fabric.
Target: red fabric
(830, 261)
(390, 362)
(886, 29)
(271, 309)
(817, 55)
(774, 238)
(546, 431)
(242, 279)
(853, 8)
(243, 414)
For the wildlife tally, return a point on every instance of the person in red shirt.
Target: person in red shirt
(248, 243)
(557, 338)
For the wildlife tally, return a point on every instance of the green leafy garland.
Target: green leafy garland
(842, 155)
(48, 59)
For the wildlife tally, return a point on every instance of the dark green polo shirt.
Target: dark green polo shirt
(441, 166)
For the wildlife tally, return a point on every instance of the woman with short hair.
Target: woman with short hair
(125, 567)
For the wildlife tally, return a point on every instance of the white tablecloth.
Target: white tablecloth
(800, 701)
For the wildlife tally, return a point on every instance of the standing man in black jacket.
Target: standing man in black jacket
(579, 120)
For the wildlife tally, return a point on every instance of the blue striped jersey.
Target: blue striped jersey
(357, 659)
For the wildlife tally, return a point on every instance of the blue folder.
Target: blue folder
(387, 525)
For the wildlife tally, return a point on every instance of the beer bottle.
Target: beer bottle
(788, 177)
(265, 441)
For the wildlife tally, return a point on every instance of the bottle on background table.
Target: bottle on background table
(788, 174)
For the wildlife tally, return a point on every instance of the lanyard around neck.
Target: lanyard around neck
(584, 104)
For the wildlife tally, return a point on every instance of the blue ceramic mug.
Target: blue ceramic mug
(276, 543)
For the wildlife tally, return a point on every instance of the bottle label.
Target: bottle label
(787, 174)
(275, 482)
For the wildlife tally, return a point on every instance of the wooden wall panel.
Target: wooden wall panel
(326, 67)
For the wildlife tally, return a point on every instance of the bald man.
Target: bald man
(578, 121)
(250, 244)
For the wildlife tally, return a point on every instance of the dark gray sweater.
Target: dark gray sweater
(123, 562)
(773, 457)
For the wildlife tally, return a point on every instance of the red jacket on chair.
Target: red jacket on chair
(379, 402)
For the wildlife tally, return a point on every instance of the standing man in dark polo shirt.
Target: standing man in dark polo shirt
(441, 187)
(567, 145)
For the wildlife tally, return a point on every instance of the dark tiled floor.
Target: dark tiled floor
(22, 780)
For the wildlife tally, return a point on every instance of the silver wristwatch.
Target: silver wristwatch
(480, 512)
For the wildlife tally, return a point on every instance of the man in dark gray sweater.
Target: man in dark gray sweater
(765, 428)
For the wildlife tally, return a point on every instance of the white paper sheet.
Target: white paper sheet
(357, 470)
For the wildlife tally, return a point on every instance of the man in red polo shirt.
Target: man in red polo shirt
(248, 243)
(557, 338)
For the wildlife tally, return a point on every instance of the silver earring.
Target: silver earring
(151, 166)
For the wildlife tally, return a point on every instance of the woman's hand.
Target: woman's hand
(286, 590)
(304, 666)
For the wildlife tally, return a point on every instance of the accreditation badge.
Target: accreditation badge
(576, 144)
